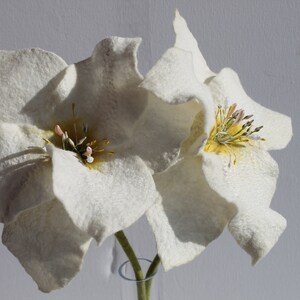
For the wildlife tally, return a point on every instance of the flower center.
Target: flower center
(233, 130)
(75, 139)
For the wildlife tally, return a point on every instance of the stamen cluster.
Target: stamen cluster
(81, 146)
(233, 126)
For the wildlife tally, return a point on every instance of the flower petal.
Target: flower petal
(250, 185)
(104, 89)
(102, 202)
(277, 128)
(257, 230)
(190, 216)
(186, 41)
(21, 167)
(25, 75)
(172, 79)
(47, 244)
(160, 131)
(197, 136)
(251, 181)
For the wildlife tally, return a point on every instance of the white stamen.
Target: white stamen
(71, 143)
(58, 130)
(89, 159)
(81, 141)
(65, 136)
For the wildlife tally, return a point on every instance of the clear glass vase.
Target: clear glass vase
(145, 289)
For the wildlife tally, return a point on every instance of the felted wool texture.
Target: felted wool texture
(23, 73)
(173, 80)
(186, 41)
(48, 244)
(247, 186)
(25, 76)
(106, 199)
(160, 130)
(191, 214)
(37, 189)
(277, 128)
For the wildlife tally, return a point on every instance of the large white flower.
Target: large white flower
(225, 174)
(54, 202)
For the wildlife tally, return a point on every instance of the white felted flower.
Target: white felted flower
(226, 175)
(53, 201)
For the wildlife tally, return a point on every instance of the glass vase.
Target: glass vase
(145, 289)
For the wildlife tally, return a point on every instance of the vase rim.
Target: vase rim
(124, 264)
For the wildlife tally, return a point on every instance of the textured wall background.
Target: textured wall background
(261, 41)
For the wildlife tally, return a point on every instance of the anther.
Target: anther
(258, 128)
(88, 151)
(58, 130)
(89, 159)
(71, 143)
(81, 141)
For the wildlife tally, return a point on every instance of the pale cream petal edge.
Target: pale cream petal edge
(106, 199)
(190, 216)
(186, 41)
(47, 244)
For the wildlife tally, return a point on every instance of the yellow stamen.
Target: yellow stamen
(231, 132)
(47, 141)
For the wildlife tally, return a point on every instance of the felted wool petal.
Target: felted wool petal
(33, 186)
(104, 89)
(194, 141)
(21, 163)
(277, 128)
(191, 214)
(160, 130)
(47, 244)
(103, 201)
(25, 76)
(172, 80)
(186, 41)
(257, 229)
(250, 185)
(252, 180)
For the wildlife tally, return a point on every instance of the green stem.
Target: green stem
(141, 287)
(151, 271)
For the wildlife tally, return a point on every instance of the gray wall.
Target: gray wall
(261, 41)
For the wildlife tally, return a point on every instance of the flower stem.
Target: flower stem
(141, 286)
(151, 271)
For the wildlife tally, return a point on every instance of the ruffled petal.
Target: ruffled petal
(22, 165)
(277, 128)
(176, 78)
(160, 132)
(104, 201)
(250, 185)
(257, 230)
(190, 216)
(172, 79)
(25, 76)
(47, 244)
(186, 41)
(104, 89)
